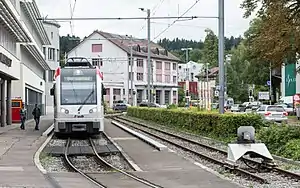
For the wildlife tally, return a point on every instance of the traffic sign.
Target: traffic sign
(268, 82)
(263, 95)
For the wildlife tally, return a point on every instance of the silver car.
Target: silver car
(273, 113)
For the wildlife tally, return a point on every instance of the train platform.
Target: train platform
(165, 167)
(17, 150)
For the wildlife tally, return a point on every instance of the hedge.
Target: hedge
(282, 140)
(220, 126)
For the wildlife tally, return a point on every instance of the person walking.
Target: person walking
(23, 117)
(36, 115)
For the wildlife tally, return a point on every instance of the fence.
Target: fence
(29, 108)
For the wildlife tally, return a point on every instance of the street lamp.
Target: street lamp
(149, 52)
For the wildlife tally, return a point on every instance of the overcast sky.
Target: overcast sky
(235, 24)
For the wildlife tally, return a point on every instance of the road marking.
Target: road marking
(12, 168)
(124, 138)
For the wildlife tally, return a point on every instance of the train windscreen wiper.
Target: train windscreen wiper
(86, 99)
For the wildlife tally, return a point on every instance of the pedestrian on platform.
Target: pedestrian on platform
(23, 117)
(36, 115)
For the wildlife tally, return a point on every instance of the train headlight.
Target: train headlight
(64, 111)
(93, 110)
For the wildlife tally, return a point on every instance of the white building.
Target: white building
(52, 53)
(111, 52)
(189, 71)
(22, 64)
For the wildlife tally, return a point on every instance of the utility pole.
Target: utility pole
(149, 55)
(149, 52)
(221, 56)
(207, 95)
(131, 70)
(186, 56)
(270, 88)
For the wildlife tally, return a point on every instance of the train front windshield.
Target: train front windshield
(78, 87)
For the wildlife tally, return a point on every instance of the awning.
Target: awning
(30, 8)
(12, 23)
(34, 51)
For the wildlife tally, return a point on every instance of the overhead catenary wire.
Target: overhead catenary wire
(155, 8)
(72, 10)
(125, 18)
(182, 15)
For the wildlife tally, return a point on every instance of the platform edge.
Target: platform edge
(48, 131)
(37, 155)
(148, 140)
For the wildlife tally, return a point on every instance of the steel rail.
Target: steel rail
(278, 170)
(221, 163)
(69, 163)
(121, 171)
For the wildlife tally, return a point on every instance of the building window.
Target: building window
(167, 66)
(158, 77)
(167, 78)
(140, 76)
(58, 55)
(51, 54)
(158, 65)
(129, 60)
(51, 75)
(139, 63)
(131, 75)
(174, 79)
(192, 77)
(51, 35)
(97, 62)
(117, 91)
(44, 52)
(174, 66)
(96, 47)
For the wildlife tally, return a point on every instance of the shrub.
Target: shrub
(220, 126)
(281, 140)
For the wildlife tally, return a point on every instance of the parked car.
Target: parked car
(238, 108)
(149, 104)
(120, 107)
(273, 113)
(288, 107)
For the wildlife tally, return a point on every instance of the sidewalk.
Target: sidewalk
(17, 149)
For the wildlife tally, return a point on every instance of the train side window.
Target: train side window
(15, 104)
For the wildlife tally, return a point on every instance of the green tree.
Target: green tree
(67, 43)
(278, 37)
(210, 49)
(236, 74)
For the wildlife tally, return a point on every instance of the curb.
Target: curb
(37, 155)
(48, 131)
(131, 163)
(148, 140)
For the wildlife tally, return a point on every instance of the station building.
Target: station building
(111, 52)
(22, 61)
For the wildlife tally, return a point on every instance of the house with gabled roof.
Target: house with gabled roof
(111, 53)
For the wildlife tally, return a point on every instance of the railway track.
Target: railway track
(93, 180)
(256, 175)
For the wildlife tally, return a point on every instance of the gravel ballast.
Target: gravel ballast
(275, 180)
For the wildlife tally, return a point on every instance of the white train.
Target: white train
(78, 93)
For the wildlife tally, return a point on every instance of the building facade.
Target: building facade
(22, 64)
(189, 71)
(111, 52)
(52, 56)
